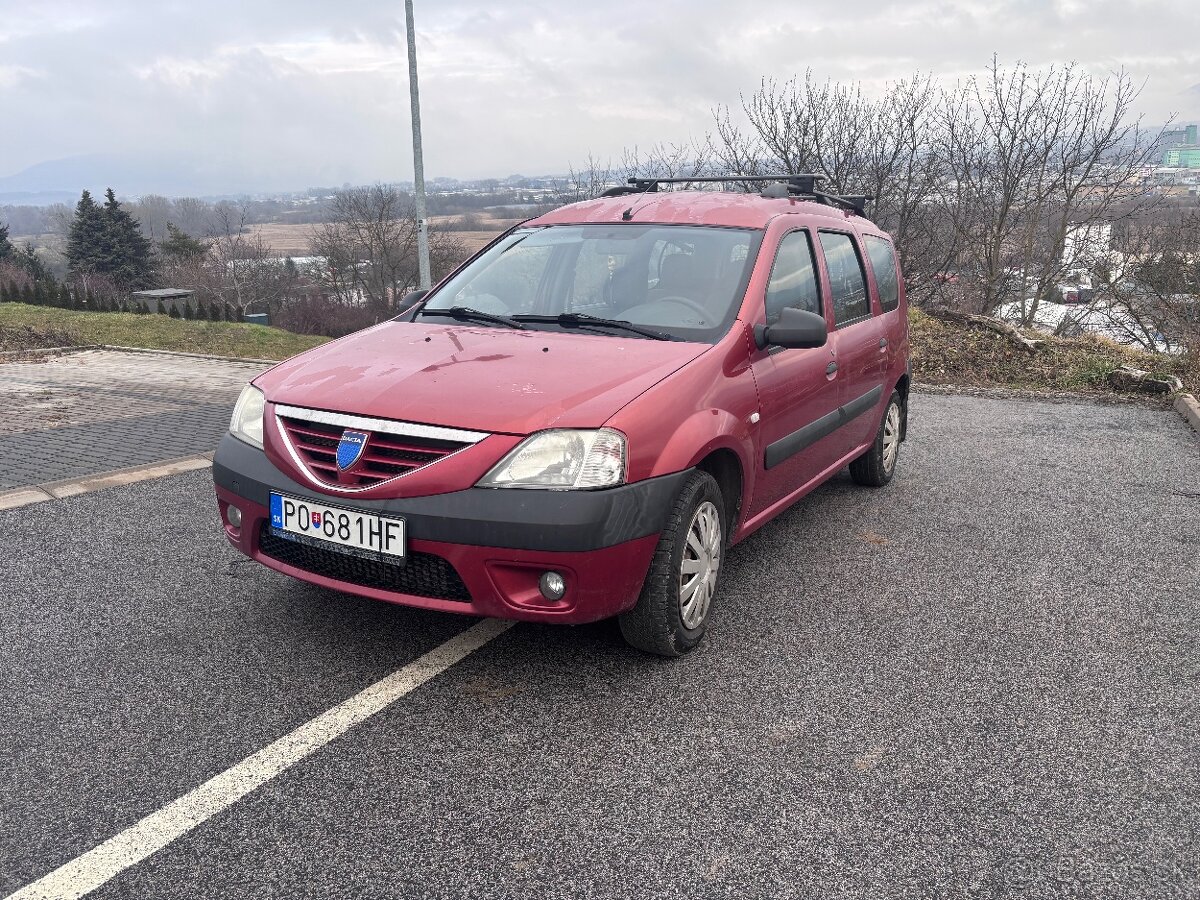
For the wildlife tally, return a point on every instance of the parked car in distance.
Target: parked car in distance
(582, 419)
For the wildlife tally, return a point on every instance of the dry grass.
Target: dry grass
(950, 353)
(293, 239)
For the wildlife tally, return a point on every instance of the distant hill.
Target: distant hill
(61, 180)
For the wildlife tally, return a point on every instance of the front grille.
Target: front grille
(386, 455)
(422, 574)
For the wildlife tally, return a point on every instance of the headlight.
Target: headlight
(563, 459)
(247, 421)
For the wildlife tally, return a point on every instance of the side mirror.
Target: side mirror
(410, 300)
(796, 328)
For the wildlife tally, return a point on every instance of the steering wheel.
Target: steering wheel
(689, 303)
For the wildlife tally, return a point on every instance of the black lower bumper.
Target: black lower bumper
(569, 521)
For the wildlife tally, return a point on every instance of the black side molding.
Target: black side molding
(805, 437)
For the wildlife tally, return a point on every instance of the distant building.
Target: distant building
(1182, 158)
(1186, 136)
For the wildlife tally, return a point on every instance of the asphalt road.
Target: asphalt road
(980, 681)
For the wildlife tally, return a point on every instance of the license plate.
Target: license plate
(356, 533)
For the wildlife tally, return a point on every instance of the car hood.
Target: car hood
(480, 378)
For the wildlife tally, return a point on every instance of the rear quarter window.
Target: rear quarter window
(883, 264)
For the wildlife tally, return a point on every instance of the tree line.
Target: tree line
(363, 263)
(986, 184)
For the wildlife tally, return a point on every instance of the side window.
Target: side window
(847, 283)
(793, 277)
(883, 264)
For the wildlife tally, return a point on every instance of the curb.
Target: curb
(60, 490)
(241, 359)
(1188, 407)
(75, 348)
(118, 349)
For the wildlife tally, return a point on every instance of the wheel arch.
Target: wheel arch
(726, 469)
(902, 387)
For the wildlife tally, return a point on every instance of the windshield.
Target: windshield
(679, 280)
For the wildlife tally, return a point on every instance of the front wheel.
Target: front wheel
(876, 467)
(671, 614)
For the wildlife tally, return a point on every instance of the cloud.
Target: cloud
(275, 95)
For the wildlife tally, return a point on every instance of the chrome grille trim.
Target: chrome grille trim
(388, 426)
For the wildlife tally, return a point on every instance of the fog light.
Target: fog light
(552, 585)
(234, 515)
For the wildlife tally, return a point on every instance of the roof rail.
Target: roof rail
(802, 186)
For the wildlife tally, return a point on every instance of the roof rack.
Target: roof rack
(801, 186)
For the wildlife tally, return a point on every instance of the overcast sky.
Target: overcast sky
(290, 94)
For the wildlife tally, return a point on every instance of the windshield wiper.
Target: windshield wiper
(466, 314)
(581, 320)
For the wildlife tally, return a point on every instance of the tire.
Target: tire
(665, 621)
(876, 467)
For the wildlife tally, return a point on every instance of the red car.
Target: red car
(583, 418)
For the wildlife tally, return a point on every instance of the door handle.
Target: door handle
(831, 368)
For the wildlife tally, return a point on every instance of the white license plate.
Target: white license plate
(358, 533)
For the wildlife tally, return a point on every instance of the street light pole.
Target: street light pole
(418, 156)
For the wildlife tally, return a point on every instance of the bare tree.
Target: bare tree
(1034, 157)
(369, 246)
(589, 181)
(240, 269)
(152, 213)
(885, 148)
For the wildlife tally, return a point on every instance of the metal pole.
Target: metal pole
(418, 156)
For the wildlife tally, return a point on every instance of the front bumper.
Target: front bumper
(478, 551)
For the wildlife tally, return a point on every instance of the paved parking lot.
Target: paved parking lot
(980, 681)
(98, 410)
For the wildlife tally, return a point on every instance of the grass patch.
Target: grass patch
(30, 327)
(950, 353)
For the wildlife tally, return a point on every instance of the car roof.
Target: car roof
(731, 209)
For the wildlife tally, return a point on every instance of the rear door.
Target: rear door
(888, 286)
(859, 337)
(797, 388)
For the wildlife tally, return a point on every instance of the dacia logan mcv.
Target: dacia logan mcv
(580, 420)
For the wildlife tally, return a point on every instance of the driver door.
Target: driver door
(796, 388)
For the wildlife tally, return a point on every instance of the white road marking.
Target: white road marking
(87, 872)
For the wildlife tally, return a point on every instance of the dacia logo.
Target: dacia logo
(351, 448)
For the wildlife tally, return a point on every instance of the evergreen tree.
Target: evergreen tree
(39, 294)
(180, 245)
(85, 241)
(130, 257)
(28, 260)
(106, 240)
(214, 312)
(187, 310)
(6, 248)
(27, 294)
(3, 292)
